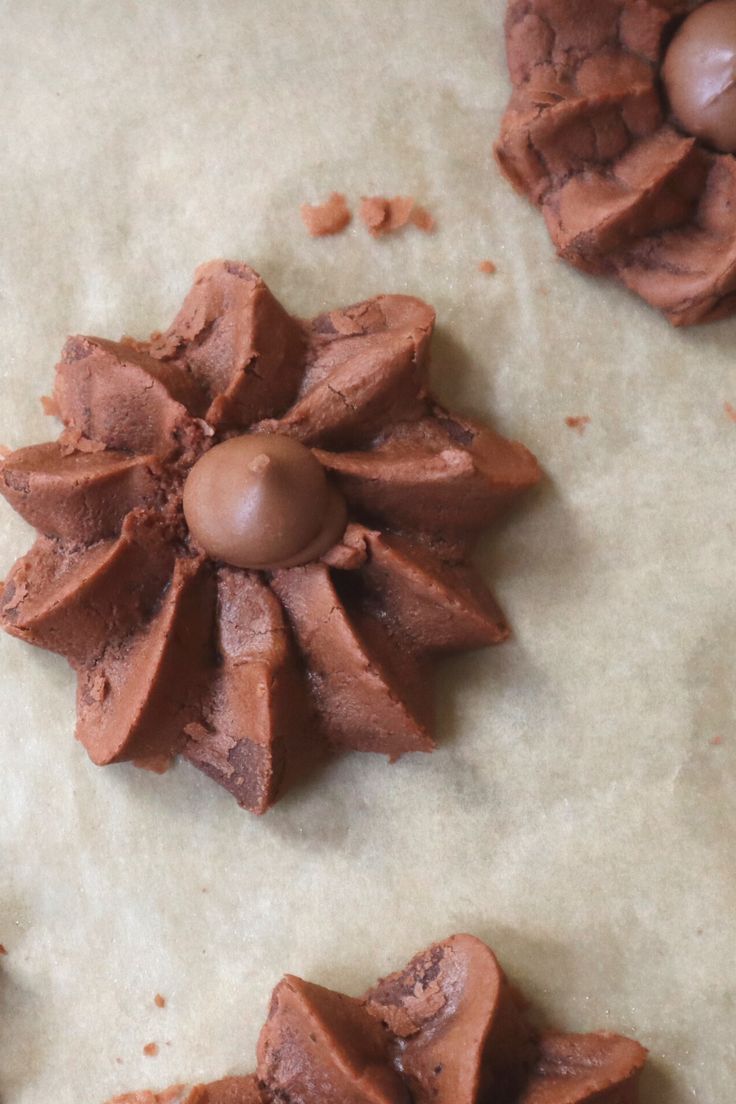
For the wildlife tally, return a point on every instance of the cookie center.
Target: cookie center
(262, 502)
(699, 74)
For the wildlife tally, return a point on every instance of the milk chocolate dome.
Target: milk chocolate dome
(332, 504)
(447, 1029)
(592, 136)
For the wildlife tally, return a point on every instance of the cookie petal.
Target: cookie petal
(320, 1047)
(429, 605)
(459, 1035)
(135, 702)
(255, 715)
(77, 496)
(583, 1069)
(366, 692)
(75, 602)
(117, 394)
(447, 476)
(239, 342)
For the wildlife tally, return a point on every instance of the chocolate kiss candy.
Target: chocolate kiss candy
(700, 74)
(262, 502)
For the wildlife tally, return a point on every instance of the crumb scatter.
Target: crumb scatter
(383, 215)
(325, 219)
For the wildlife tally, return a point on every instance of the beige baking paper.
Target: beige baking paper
(579, 814)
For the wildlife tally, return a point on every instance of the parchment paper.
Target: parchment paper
(580, 812)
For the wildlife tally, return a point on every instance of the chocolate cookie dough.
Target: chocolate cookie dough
(447, 1029)
(253, 535)
(620, 129)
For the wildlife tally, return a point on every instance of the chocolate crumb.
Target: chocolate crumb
(17, 596)
(323, 219)
(578, 422)
(488, 268)
(150, 1050)
(196, 731)
(421, 218)
(3, 951)
(717, 741)
(72, 441)
(159, 1001)
(730, 411)
(382, 215)
(50, 406)
(98, 688)
(374, 211)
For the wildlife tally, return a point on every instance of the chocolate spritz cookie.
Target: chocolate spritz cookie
(622, 130)
(447, 1029)
(254, 535)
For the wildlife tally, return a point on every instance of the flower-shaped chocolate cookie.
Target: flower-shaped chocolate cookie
(447, 1029)
(619, 128)
(253, 534)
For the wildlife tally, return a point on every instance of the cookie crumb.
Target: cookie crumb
(324, 219)
(50, 406)
(3, 951)
(72, 441)
(421, 218)
(196, 731)
(98, 688)
(578, 422)
(18, 595)
(383, 215)
(730, 411)
(159, 1001)
(488, 268)
(150, 1050)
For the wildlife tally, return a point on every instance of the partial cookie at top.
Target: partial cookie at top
(590, 138)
